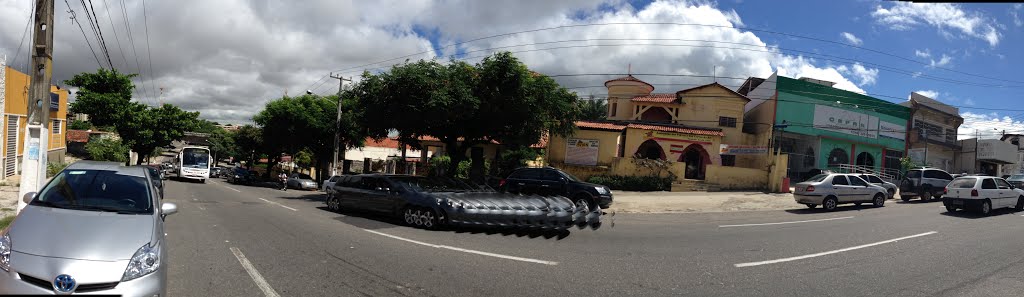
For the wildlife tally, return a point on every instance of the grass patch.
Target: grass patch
(5, 221)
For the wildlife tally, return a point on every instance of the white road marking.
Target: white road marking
(233, 189)
(783, 223)
(256, 277)
(278, 204)
(465, 250)
(831, 252)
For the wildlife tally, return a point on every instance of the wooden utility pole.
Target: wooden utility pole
(337, 129)
(37, 140)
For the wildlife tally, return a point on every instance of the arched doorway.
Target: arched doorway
(696, 159)
(865, 159)
(838, 156)
(650, 149)
(656, 114)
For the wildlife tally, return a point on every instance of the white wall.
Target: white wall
(766, 90)
(379, 153)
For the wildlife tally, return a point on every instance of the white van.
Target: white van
(982, 193)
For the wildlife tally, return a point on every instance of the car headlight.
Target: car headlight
(5, 253)
(602, 190)
(145, 261)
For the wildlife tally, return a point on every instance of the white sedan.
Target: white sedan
(982, 193)
(830, 190)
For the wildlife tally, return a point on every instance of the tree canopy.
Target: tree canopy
(498, 99)
(290, 125)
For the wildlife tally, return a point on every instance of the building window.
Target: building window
(55, 127)
(728, 160)
(614, 106)
(727, 122)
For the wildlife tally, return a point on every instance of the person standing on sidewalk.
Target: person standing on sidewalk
(284, 180)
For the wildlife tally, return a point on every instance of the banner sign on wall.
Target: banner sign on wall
(916, 155)
(581, 151)
(729, 149)
(890, 130)
(845, 121)
(684, 137)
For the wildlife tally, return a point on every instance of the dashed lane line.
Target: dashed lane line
(750, 264)
(783, 223)
(465, 250)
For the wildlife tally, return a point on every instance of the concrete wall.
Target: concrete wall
(624, 167)
(635, 137)
(608, 146)
(736, 178)
(703, 106)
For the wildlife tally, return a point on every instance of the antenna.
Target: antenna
(629, 70)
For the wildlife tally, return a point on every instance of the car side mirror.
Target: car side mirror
(168, 208)
(28, 197)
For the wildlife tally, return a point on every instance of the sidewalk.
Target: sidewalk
(683, 202)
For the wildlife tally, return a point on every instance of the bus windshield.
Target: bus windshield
(195, 158)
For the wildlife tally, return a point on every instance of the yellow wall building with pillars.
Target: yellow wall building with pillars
(15, 119)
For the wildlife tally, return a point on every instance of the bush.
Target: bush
(633, 183)
(54, 168)
(103, 149)
(79, 125)
(465, 166)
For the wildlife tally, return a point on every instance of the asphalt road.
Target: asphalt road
(230, 240)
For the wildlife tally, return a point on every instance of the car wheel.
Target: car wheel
(830, 203)
(879, 200)
(986, 207)
(1020, 203)
(950, 208)
(892, 193)
(333, 204)
(904, 198)
(410, 216)
(583, 203)
(429, 219)
(811, 205)
(925, 193)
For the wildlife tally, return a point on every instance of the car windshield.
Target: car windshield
(817, 178)
(570, 176)
(1016, 177)
(429, 184)
(195, 158)
(97, 190)
(963, 183)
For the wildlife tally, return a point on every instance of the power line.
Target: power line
(95, 32)
(94, 55)
(99, 30)
(31, 14)
(149, 54)
(106, 7)
(135, 53)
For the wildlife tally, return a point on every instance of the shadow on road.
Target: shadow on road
(374, 221)
(918, 201)
(309, 196)
(841, 208)
(968, 214)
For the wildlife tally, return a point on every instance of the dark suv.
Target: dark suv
(924, 182)
(551, 181)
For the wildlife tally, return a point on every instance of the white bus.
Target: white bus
(194, 163)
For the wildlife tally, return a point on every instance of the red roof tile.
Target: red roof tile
(657, 98)
(689, 130)
(78, 136)
(601, 125)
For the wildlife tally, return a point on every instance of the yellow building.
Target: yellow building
(14, 99)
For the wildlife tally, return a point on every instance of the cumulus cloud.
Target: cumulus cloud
(227, 66)
(988, 125)
(929, 93)
(942, 16)
(945, 60)
(852, 39)
(926, 53)
(1015, 13)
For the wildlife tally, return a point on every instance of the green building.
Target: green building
(822, 127)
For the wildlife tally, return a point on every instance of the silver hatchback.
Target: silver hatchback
(830, 190)
(95, 228)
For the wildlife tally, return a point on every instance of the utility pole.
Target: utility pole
(37, 132)
(337, 127)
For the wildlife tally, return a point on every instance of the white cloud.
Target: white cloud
(1015, 13)
(988, 125)
(945, 60)
(969, 102)
(852, 39)
(942, 16)
(799, 66)
(923, 54)
(929, 93)
(867, 76)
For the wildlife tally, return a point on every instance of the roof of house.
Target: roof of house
(628, 78)
(677, 128)
(931, 103)
(715, 84)
(601, 125)
(749, 85)
(657, 98)
(78, 136)
(1005, 136)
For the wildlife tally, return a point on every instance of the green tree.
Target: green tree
(146, 128)
(293, 124)
(463, 105)
(79, 125)
(222, 144)
(248, 141)
(593, 109)
(104, 96)
(303, 159)
(205, 126)
(106, 149)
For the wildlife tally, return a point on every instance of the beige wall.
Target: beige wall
(635, 137)
(608, 145)
(703, 106)
(736, 178)
(620, 94)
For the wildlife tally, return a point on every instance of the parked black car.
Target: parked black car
(430, 202)
(551, 181)
(242, 176)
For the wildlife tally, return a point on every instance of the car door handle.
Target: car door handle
(521, 184)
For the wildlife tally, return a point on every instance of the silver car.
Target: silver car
(890, 188)
(301, 182)
(830, 190)
(95, 228)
